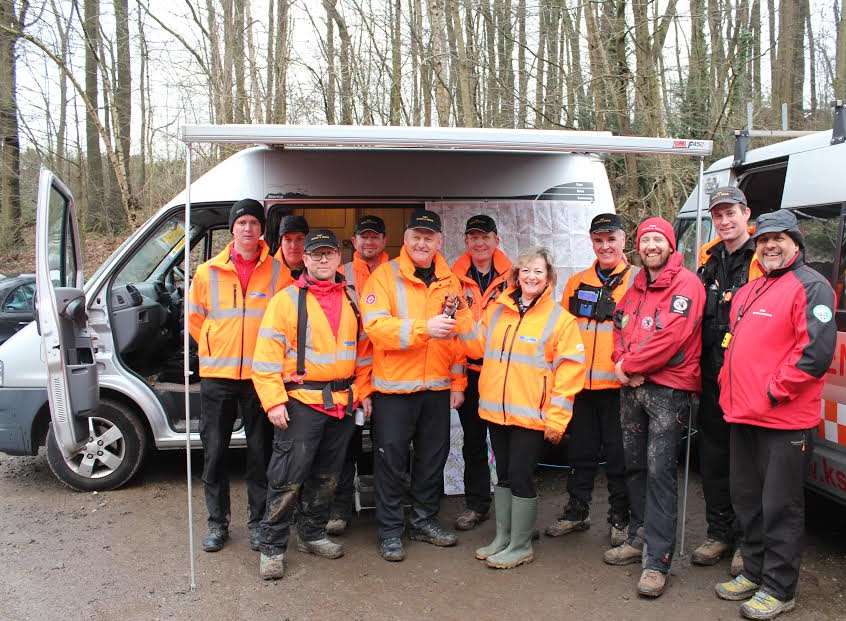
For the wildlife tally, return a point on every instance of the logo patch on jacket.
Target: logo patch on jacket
(680, 305)
(822, 312)
(370, 299)
(257, 294)
(528, 339)
(646, 323)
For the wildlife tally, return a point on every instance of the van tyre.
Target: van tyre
(115, 450)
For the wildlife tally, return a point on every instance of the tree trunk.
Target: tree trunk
(280, 65)
(462, 66)
(396, 63)
(840, 58)
(440, 53)
(329, 44)
(413, 10)
(541, 62)
(123, 92)
(10, 190)
(94, 197)
(812, 59)
(522, 71)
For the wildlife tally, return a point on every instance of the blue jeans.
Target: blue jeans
(653, 418)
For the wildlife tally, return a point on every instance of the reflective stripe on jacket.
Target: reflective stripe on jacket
(478, 300)
(658, 327)
(327, 357)
(534, 365)
(598, 336)
(395, 306)
(223, 320)
(356, 272)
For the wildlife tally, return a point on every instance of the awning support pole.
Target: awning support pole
(186, 365)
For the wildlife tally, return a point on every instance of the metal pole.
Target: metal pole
(748, 115)
(700, 189)
(784, 117)
(186, 365)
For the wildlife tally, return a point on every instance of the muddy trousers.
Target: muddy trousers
(421, 419)
(593, 430)
(302, 474)
(767, 490)
(222, 400)
(517, 451)
(714, 440)
(653, 418)
(477, 473)
(343, 503)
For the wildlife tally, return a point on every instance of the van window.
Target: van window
(161, 249)
(820, 227)
(686, 236)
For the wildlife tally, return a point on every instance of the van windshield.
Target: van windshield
(158, 252)
(686, 236)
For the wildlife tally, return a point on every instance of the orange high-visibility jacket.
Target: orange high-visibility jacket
(598, 337)
(395, 307)
(356, 272)
(534, 365)
(755, 268)
(222, 319)
(479, 300)
(327, 357)
(286, 278)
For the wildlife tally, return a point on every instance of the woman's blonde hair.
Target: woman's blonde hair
(526, 257)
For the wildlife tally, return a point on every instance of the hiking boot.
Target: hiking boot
(321, 547)
(765, 606)
(524, 514)
(255, 538)
(625, 554)
(563, 525)
(710, 552)
(336, 526)
(390, 549)
(432, 532)
(736, 563)
(738, 589)
(502, 514)
(272, 567)
(652, 583)
(618, 533)
(470, 519)
(214, 539)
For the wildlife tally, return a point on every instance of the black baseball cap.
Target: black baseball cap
(424, 219)
(482, 223)
(321, 238)
(605, 223)
(370, 223)
(727, 195)
(293, 224)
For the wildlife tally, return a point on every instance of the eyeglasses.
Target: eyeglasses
(319, 255)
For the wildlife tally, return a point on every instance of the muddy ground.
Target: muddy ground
(123, 555)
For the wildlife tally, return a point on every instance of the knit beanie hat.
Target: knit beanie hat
(657, 225)
(246, 207)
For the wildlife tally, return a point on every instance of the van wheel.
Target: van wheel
(116, 447)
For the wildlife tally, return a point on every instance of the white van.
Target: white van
(805, 175)
(113, 346)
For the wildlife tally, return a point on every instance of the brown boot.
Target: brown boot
(470, 519)
(625, 554)
(736, 563)
(652, 583)
(710, 552)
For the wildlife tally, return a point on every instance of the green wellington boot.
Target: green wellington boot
(502, 510)
(524, 513)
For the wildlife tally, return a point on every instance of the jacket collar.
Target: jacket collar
(501, 265)
(360, 263)
(407, 267)
(665, 278)
(795, 262)
(223, 260)
(506, 298)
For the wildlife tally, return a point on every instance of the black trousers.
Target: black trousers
(421, 419)
(477, 474)
(768, 470)
(714, 457)
(595, 427)
(303, 472)
(653, 418)
(221, 401)
(342, 503)
(516, 450)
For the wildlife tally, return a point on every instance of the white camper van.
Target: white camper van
(112, 347)
(805, 175)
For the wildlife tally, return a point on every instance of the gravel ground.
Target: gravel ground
(123, 555)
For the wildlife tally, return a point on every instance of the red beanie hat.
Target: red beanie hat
(657, 225)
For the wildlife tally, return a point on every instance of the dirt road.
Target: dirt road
(123, 555)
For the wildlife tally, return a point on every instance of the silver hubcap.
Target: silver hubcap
(102, 454)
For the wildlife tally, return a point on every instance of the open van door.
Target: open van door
(66, 340)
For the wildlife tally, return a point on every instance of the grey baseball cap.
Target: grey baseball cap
(779, 221)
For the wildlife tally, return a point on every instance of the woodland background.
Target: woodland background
(96, 90)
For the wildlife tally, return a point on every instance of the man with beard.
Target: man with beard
(657, 346)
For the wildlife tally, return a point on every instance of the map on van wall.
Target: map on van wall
(560, 225)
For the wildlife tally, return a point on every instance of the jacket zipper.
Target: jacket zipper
(504, 337)
(730, 354)
(243, 320)
(508, 361)
(593, 354)
(543, 398)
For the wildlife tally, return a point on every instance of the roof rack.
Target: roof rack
(743, 136)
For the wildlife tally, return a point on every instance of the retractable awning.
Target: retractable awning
(442, 138)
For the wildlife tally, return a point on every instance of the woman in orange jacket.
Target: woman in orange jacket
(533, 367)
